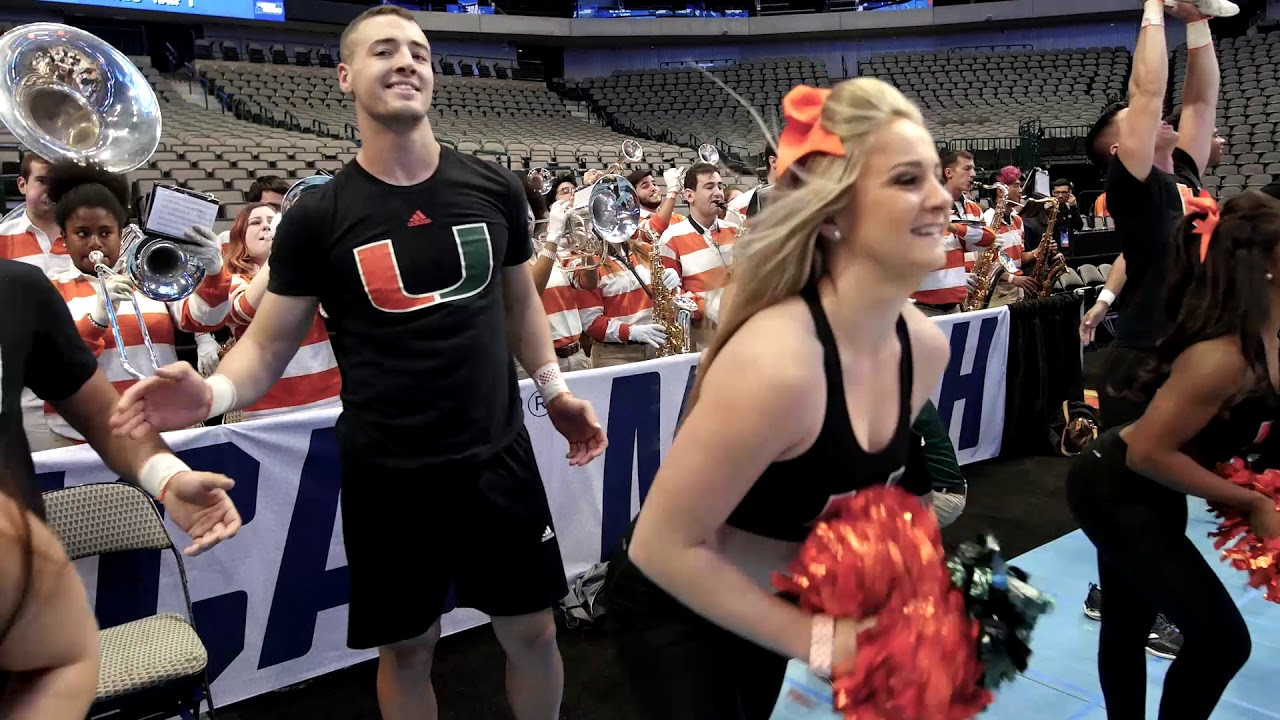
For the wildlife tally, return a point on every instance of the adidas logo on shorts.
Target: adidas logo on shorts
(547, 534)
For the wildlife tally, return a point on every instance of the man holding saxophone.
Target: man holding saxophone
(419, 255)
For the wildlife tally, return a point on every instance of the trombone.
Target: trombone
(631, 153)
(128, 237)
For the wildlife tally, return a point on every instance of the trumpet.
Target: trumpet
(707, 153)
(631, 153)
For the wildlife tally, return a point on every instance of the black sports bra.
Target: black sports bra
(791, 494)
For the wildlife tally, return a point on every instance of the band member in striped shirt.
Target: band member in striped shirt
(311, 379)
(700, 249)
(90, 208)
(618, 313)
(562, 291)
(1011, 237)
(656, 208)
(31, 234)
(945, 288)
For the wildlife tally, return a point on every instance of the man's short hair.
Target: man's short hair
(1063, 181)
(562, 179)
(698, 170)
(265, 184)
(28, 158)
(1101, 157)
(951, 157)
(373, 12)
(638, 176)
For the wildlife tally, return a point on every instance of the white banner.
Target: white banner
(270, 604)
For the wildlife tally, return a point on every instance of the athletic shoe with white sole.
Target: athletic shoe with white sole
(1093, 603)
(1210, 8)
(1165, 639)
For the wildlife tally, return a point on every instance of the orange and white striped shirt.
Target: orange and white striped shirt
(191, 314)
(702, 257)
(310, 380)
(1010, 236)
(948, 285)
(21, 240)
(562, 300)
(655, 225)
(618, 302)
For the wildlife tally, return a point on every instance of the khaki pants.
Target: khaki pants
(40, 436)
(576, 361)
(947, 506)
(605, 354)
(930, 311)
(1006, 294)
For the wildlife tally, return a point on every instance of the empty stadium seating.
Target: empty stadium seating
(1248, 111)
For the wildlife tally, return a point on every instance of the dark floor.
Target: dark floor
(1021, 501)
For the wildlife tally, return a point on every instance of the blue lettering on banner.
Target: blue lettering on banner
(957, 385)
(634, 427)
(684, 400)
(54, 480)
(304, 587)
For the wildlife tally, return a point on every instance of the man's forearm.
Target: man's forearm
(1115, 280)
(88, 411)
(1150, 74)
(1203, 77)
(529, 334)
(252, 366)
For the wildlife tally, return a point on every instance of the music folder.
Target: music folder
(173, 210)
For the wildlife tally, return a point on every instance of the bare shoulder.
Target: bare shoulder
(930, 351)
(1213, 367)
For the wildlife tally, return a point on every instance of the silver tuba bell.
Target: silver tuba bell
(67, 95)
(603, 214)
(302, 187)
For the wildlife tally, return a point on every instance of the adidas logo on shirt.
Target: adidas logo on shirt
(547, 534)
(418, 219)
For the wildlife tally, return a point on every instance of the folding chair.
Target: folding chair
(153, 667)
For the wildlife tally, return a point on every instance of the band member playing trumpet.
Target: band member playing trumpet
(700, 248)
(562, 291)
(944, 289)
(90, 208)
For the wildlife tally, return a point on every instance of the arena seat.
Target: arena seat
(1248, 111)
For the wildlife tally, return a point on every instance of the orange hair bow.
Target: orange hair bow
(1204, 204)
(804, 133)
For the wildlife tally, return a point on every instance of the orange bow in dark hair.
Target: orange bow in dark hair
(1204, 204)
(804, 133)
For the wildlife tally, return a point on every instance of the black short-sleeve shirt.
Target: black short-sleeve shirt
(410, 278)
(1146, 215)
(40, 349)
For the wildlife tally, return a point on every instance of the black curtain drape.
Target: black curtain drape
(1044, 370)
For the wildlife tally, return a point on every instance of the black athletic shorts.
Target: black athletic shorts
(482, 528)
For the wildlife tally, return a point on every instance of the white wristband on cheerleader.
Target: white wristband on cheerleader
(224, 394)
(1153, 13)
(549, 381)
(822, 634)
(1107, 297)
(157, 471)
(1198, 35)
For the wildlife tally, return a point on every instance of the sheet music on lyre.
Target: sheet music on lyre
(174, 210)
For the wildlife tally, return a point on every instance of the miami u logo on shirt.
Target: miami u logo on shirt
(383, 283)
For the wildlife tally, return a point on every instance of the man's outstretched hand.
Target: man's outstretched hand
(199, 504)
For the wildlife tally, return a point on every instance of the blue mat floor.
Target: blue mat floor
(1062, 680)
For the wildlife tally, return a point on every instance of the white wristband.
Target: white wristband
(822, 633)
(1198, 35)
(549, 381)
(224, 394)
(157, 471)
(1153, 12)
(1106, 297)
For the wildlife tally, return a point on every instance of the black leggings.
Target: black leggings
(681, 666)
(1147, 565)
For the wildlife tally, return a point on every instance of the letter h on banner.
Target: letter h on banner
(958, 386)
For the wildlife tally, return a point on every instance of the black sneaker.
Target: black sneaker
(1165, 639)
(1093, 602)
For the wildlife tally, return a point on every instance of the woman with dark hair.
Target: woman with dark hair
(48, 635)
(91, 208)
(311, 379)
(1213, 394)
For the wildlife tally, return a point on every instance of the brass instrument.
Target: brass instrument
(541, 178)
(300, 188)
(70, 96)
(987, 266)
(604, 213)
(631, 153)
(674, 313)
(1048, 266)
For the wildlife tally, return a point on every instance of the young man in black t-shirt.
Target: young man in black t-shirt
(41, 349)
(1150, 168)
(419, 256)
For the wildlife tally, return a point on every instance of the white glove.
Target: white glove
(672, 177)
(206, 354)
(971, 280)
(650, 334)
(556, 220)
(203, 243)
(713, 310)
(671, 278)
(119, 289)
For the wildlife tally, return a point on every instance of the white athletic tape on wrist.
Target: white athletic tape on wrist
(157, 471)
(1198, 35)
(549, 381)
(1153, 13)
(822, 637)
(1106, 296)
(224, 394)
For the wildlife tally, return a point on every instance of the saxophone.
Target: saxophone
(1048, 266)
(674, 314)
(984, 268)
